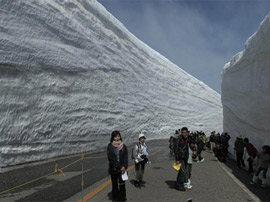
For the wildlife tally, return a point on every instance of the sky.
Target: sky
(200, 36)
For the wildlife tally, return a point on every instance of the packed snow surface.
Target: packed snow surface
(246, 90)
(70, 74)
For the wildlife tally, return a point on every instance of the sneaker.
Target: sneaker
(189, 187)
(202, 160)
(186, 185)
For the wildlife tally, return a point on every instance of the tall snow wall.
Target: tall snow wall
(246, 90)
(70, 74)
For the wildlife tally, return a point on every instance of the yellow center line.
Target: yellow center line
(108, 182)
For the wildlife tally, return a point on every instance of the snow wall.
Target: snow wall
(246, 90)
(70, 74)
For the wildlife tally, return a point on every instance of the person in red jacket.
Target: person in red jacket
(252, 152)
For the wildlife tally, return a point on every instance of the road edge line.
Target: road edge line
(242, 186)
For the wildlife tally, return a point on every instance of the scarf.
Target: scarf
(119, 145)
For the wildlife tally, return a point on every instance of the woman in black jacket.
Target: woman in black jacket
(118, 162)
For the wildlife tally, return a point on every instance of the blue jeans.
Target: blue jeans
(181, 174)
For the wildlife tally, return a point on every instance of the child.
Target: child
(192, 155)
(264, 161)
(140, 154)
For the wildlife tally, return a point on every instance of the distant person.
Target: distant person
(219, 153)
(192, 137)
(181, 157)
(200, 146)
(118, 162)
(217, 139)
(140, 159)
(192, 155)
(212, 140)
(224, 141)
(205, 140)
(252, 152)
(264, 162)
(171, 142)
(239, 148)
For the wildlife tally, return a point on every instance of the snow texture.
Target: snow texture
(246, 90)
(70, 74)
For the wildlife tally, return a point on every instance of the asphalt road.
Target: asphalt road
(55, 187)
(211, 180)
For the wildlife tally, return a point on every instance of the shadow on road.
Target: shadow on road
(171, 184)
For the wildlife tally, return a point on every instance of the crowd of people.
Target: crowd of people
(186, 147)
(262, 158)
(219, 144)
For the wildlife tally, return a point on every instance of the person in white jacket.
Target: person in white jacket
(140, 158)
(264, 162)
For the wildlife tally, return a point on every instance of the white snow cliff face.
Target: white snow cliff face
(70, 74)
(246, 89)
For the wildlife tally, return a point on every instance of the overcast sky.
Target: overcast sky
(199, 36)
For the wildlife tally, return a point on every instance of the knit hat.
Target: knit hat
(142, 135)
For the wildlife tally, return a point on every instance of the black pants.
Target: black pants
(139, 170)
(226, 152)
(118, 188)
(199, 153)
(250, 165)
(180, 180)
(264, 171)
(240, 160)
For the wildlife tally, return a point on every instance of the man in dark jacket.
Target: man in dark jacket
(224, 141)
(181, 157)
(239, 148)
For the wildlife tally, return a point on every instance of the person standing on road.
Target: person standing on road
(239, 148)
(224, 141)
(118, 162)
(212, 140)
(181, 157)
(200, 146)
(252, 152)
(140, 158)
(264, 162)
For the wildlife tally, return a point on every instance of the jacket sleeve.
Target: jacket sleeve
(146, 150)
(125, 157)
(112, 160)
